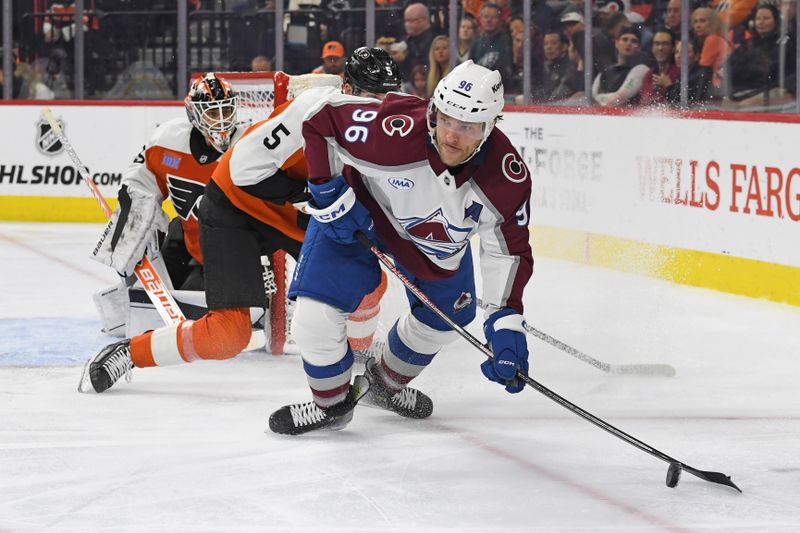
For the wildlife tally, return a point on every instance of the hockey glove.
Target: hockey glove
(340, 214)
(132, 228)
(506, 337)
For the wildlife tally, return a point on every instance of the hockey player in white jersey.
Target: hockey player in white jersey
(419, 178)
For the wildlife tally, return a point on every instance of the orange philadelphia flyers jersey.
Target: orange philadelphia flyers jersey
(177, 164)
(269, 154)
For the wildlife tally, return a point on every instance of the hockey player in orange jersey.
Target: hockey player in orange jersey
(247, 211)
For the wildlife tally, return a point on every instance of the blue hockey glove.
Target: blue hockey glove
(341, 215)
(506, 336)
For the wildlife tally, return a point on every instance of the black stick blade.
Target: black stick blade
(713, 477)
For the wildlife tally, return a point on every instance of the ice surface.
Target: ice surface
(184, 448)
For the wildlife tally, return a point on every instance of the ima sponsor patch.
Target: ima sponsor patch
(514, 169)
(402, 184)
(397, 124)
(47, 141)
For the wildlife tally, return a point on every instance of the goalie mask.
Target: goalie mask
(472, 97)
(211, 107)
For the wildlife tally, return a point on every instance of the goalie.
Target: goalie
(247, 212)
(176, 163)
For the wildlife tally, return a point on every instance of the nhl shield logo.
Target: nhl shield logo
(46, 140)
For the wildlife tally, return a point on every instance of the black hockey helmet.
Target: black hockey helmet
(372, 70)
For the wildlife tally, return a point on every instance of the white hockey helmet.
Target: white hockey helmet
(470, 93)
(211, 108)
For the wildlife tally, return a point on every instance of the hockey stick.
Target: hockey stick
(675, 466)
(650, 369)
(163, 301)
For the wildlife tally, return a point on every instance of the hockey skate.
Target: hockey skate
(105, 368)
(407, 402)
(300, 418)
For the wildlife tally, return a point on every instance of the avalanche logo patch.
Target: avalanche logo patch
(402, 184)
(463, 302)
(185, 195)
(514, 169)
(46, 139)
(400, 124)
(435, 235)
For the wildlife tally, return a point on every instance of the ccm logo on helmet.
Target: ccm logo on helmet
(514, 169)
(456, 104)
(400, 124)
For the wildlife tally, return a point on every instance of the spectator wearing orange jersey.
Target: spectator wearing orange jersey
(715, 47)
(733, 12)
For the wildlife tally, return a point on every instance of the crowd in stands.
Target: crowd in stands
(740, 52)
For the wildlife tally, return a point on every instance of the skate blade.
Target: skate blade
(85, 384)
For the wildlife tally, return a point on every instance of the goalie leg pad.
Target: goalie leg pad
(112, 306)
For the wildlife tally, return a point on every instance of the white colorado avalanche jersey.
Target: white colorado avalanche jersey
(424, 212)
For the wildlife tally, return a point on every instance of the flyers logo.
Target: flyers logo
(514, 169)
(400, 124)
(185, 195)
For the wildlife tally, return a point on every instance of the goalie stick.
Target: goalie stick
(650, 369)
(165, 304)
(153, 285)
(675, 466)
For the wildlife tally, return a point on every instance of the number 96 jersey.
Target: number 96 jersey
(424, 212)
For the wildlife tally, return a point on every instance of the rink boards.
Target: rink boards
(711, 200)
